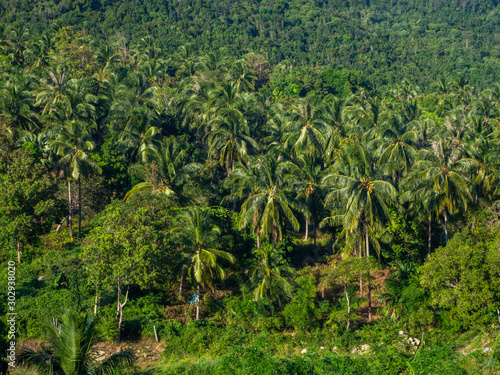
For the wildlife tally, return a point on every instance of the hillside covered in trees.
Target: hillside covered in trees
(257, 210)
(387, 41)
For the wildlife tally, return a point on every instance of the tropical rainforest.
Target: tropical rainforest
(257, 187)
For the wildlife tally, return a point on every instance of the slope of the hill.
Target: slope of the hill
(386, 40)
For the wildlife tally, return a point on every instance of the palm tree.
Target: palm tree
(396, 150)
(421, 199)
(363, 201)
(304, 176)
(242, 76)
(164, 171)
(483, 172)
(18, 42)
(268, 205)
(269, 276)
(440, 177)
(135, 103)
(229, 139)
(199, 236)
(71, 350)
(16, 105)
(73, 144)
(307, 132)
(136, 142)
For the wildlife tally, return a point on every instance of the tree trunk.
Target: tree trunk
(369, 299)
(198, 301)
(367, 242)
(120, 307)
(429, 237)
(445, 214)
(58, 229)
(361, 277)
(70, 218)
(181, 286)
(258, 237)
(19, 251)
(79, 208)
(96, 301)
(234, 198)
(257, 228)
(275, 235)
(348, 308)
(369, 282)
(307, 230)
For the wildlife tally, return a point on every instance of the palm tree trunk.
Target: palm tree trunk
(70, 218)
(79, 208)
(96, 301)
(275, 235)
(445, 214)
(368, 273)
(307, 230)
(234, 198)
(19, 251)
(257, 228)
(361, 277)
(258, 237)
(314, 236)
(369, 298)
(348, 308)
(430, 237)
(198, 301)
(367, 242)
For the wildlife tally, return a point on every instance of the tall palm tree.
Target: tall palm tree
(16, 104)
(200, 237)
(268, 205)
(362, 200)
(308, 131)
(229, 139)
(71, 350)
(73, 145)
(304, 176)
(439, 176)
(396, 150)
(164, 171)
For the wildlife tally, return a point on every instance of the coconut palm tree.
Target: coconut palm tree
(16, 105)
(304, 176)
(269, 276)
(200, 236)
(440, 177)
(396, 150)
(73, 144)
(268, 205)
(229, 139)
(71, 350)
(361, 199)
(164, 171)
(308, 131)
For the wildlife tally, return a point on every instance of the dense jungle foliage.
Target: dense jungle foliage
(387, 40)
(257, 214)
